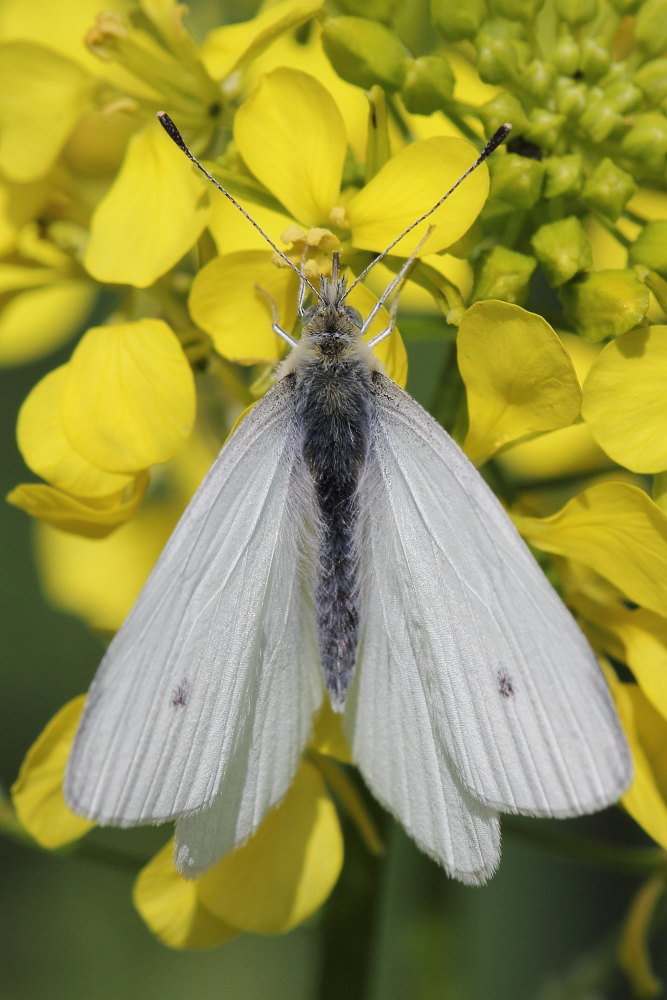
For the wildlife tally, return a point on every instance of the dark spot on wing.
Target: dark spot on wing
(179, 698)
(505, 686)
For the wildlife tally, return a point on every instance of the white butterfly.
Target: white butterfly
(342, 545)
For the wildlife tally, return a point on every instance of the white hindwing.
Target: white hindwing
(211, 684)
(508, 688)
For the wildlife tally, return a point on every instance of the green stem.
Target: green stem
(619, 858)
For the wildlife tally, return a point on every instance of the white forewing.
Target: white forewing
(507, 685)
(212, 682)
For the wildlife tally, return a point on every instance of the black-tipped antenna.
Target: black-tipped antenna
(173, 133)
(492, 144)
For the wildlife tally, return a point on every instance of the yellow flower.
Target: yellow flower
(275, 881)
(124, 402)
(292, 137)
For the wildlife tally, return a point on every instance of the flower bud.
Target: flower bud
(563, 250)
(571, 97)
(623, 96)
(538, 78)
(651, 26)
(608, 189)
(595, 59)
(364, 52)
(517, 10)
(517, 180)
(456, 21)
(503, 108)
(428, 84)
(544, 128)
(500, 55)
(599, 120)
(504, 274)
(566, 55)
(604, 304)
(576, 11)
(563, 175)
(650, 247)
(647, 139)
(651, 78)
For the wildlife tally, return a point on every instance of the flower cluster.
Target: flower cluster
(98, 209)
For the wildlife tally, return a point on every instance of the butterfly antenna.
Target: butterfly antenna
(173, 133)
(491, 145)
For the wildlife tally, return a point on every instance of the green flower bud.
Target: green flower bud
(599, 120)
(647, 139)
(503, 108)
(576, 11)
(604, 304)
(538, 78)
(651, 78)
(456, 21)
(563, 175)
(517, 180)
(650, 247)
(608, 189)
(566, 55)
(571, 97)
(623, 96)
(651, 26)
(517, 10)
(376, 10)
(428, 84)
(595, 59)
(500, 55)
(504, 274)
(364, 52)
(563, 250)
(544, 128)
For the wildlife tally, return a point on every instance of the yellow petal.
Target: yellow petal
(633, 952)
(91, 519)
(292, 137)
(99, 580)
(569, 451)
(171, 906)
(328, 736)
(614, 529)
(48, 451)
(19, 203)
(644, 636)
(227, 47)
(232, 232)
(390, 351)
(625, 404)
(39, 320)
(129, 401)
(37, 793)
(37, 21)
(226, 302)
(287, 869)
(646, 731)
(518, 376)
(411, 183)
(42, 94)
(154, 212)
